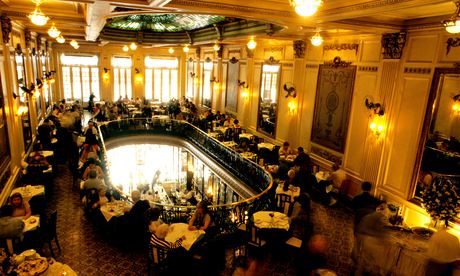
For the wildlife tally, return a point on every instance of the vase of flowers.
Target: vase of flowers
(442, 198)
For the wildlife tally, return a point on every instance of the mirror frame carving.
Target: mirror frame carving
(430, 114)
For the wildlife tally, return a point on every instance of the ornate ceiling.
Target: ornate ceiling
(90, 20)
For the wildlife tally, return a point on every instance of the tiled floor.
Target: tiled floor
(91, 252)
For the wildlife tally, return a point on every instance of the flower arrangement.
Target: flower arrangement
(442, 199)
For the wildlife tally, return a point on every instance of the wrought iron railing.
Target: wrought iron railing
(226, 216)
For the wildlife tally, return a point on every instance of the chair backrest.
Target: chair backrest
(49, 226)
(157, 255)
(283, 202)
(254, 236)
(91, 197)
(345, 187)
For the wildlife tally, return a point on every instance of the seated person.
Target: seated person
(301, 226)
(91, 142)
(45, 133)
(337, 176)
(137, 211)
(92, 182)
(289, 180)
(37, 161)
(285, 150)
(236, 124)
(174, 258)
(101, 198)
(21, 208)
(201, 219)
(228, 122)
(373, 224)
(153, 219)
(92, 167)
(302, 158)
(10, 227)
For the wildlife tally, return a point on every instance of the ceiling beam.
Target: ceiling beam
(158, 3)
(96, 18)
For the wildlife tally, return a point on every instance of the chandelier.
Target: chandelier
(186, 49)
(316, 40)
(305, 7)
(171, 50)
(453, 23)
(74, 44)
(53, 31)
(60, 39)
(216, 47)
(37, 16)
(133, 46)
(252, 44)
(125, 48)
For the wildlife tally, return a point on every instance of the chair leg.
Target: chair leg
(57, 243)
(51, 250)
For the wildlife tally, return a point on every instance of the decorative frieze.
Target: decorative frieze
(326, 154)
(337, 62)
(299, 48)
(368, 68)
(272, 60)
(342, 46)
(6, 28)
(233, 60)
(452, 42)
(287, 65)
(312, 66)
(393, 45)
(417, 70)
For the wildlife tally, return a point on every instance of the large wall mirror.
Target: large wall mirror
(439, 149)
(207, 73)
(268, 97)
(23, 97)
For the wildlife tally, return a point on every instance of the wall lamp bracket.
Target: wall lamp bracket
(192, 74)
(242, 84)
(137, 70)
(377, 108)
(106, 70)
(214, 79)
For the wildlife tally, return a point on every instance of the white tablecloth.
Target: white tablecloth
(266, 145)
(322, 176)
(263, 219)
(249, 155)
(246, 135)
(292, 191)
(229, 144)
(114, 209)
(177, 230)
(28, 191)
(221, 129)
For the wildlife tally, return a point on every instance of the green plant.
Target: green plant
(442, 200)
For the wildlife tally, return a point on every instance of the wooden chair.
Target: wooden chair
(49, 232)
(156, 259)
(283, 203)
(254, 239)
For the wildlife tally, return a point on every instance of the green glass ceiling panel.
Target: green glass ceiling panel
(163, 22)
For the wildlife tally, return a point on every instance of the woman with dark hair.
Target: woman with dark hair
(153, 219)
(201, 219)
(20, 207)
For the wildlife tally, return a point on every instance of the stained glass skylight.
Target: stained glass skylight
(163, 22)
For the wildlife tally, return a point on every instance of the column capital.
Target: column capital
(299, 48)
(6, 28)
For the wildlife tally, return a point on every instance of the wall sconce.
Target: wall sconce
(138, 78)
(214, 80)
(15, 96)
(22, 110)
(106, 75)
(377, 112)
(292, 107)
(245, 93)
(192, 75)
(290, 89)
(456, 104)
(243, 84)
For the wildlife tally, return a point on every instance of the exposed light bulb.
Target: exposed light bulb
(171, 50)
(216, 47)
(38, 17)
(373, 126)
(186, 49)
(252, 44)
(53, 31)
(73, 43)
(453, 27)
(133, 46)
(317, 40)
(306, 7)
(125, 48)
(60, 39)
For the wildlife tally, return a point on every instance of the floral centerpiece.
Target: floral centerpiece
(442, 199)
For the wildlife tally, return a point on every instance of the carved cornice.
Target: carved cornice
(417, 70)
(393, 45)
(452, 42)
(27, 37)
(343, 46)
(236, 9)
(287, 65)
(337, 62)
(299, 48)
(368, 68)
(272, 61)
(6, 28)
(233, 60)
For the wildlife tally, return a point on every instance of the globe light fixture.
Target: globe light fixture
(305, 7)
(453, 23)
(125, 48)
(60, 39)
(316, 40)
(37, 16)
(252, 44)
(216, 47)
(170, 50)
(53, 31)
(74, 44)
(186, 49)
(133, 46)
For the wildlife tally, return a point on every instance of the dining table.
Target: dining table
(271, 220)
(221, 129)
(229, 144)
(31, 223)
(29, 191)
(266, 145)
(249, 155)
(246, 135)
(178, 230)
(115, 208)
(292, 191)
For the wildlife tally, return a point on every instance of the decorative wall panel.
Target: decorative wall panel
(422, 49)
(370, 51)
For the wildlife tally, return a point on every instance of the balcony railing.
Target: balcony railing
(226, 216)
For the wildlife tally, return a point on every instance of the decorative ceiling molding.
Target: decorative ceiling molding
(6, 28)
(299, 48)
(337, 62)
(237, 9)
(342, 46)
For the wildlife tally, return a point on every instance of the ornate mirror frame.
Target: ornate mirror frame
(427, 128)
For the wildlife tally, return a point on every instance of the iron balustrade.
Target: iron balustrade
(225, 216)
